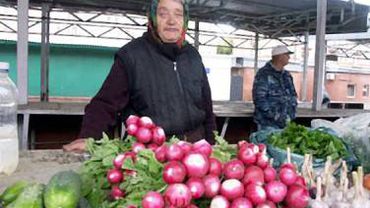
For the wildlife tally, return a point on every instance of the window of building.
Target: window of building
(365, 90)
(351, 90)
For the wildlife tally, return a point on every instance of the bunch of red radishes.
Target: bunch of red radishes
(116, 175)
(147, 135)
(192, 174)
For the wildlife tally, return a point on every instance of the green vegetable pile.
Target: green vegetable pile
(304, 141)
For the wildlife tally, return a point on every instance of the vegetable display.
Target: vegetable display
(303, 141)
(147, 170)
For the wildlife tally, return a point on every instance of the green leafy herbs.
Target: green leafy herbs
(148, 178)
(223, 151)
(303, 141)
(95, 186)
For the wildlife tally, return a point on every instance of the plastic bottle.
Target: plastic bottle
(9, 153)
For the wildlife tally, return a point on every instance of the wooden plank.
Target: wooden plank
(220, 108)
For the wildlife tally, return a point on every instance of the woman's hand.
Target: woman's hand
(77, 146)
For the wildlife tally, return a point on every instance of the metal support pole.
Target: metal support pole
(22, 51)
(196, 34)
(45, 23)
(256, 53)
(305, 67)
(319, 54)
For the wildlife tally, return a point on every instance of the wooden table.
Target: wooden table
(224, 109)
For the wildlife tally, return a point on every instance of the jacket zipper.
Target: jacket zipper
(178, 77)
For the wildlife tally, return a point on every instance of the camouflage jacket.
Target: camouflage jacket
(274, 97)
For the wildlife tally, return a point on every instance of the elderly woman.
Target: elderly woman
(158, 75)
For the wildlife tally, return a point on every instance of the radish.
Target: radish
(301, 181)
(137, 147)
(242, 144)
(215, 166)
(241, 202)
(116, 193)
(185, 146)
(159, 137)
(131, 206)
(297, 196)
(114, 176)
(196, 164)
(262, 147)
(262, 160)
(220, 202)
(132, 129)
(212, 185)
(120, 158)
(174, 152)
(232, 189)
(276, 191)
(287, 176)
(132, 119)
(160, 153)
(152, 200)
(118, 161)
(152, 146)
(247, 156)
(269, 174)
(234, 169)
(177, 195)
(143, 135)
(196, 187)
(253, 174)
(266, 204)
(174, 172)
(202, 146)
(192, 206)
(255, 193)
(253, 147)
(288, 165)
(146, 122)
(130, 173)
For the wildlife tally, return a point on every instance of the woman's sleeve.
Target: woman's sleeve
(101, 113)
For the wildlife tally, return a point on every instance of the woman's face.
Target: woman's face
(170, 20)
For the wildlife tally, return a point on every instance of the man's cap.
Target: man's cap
(281, 49)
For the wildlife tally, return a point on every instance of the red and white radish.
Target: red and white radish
(232, 189)
(114, 176)
(234, 169)
(177, 195)
(202, 146)
(174, 172)
(152, 200)
(196, 187)
(276, 191)
(255, 193)
(253, 174)
(196, 164)
(212, 185)
(220, 202)
(174, 152)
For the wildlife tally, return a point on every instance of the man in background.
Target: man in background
(274, 95)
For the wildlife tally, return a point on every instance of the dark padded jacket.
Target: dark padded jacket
(274, 97)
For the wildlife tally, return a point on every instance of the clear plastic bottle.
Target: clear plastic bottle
(9, 153)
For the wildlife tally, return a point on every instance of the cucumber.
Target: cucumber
(11, 193)
(31, 197)
(63, 190)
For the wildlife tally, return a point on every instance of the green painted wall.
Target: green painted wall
(75, 71)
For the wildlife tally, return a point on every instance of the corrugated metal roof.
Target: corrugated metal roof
(274, 18)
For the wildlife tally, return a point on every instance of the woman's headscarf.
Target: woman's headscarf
(152, 24)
